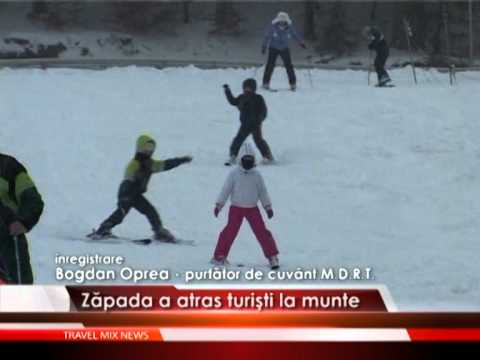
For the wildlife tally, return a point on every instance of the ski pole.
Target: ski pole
(453, 77)
(409, 34)
(370, 65)
(309, 70)
(17, 259)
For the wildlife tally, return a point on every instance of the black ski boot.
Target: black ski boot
(163, 235)
(274, 263)
(385, 81)
(103, 232)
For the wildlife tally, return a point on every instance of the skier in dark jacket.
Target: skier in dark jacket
(276, 40)
(134, 185)
(20, 209)
(378, 44)
(253, 112)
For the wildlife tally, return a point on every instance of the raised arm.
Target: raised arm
(169, 164)
(230, 98)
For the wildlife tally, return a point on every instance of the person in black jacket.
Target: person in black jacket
(20, 209)
(253, 112)
(378, 44)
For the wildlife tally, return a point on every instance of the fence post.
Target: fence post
(446, 28)
(470, 29)
(409, 34)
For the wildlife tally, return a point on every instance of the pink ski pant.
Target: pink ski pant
(229, 233)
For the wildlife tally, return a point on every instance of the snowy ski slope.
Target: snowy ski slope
(384, 178)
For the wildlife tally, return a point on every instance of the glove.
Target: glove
(186, 159)
(17, 228)
(270, 213)
(264, 50)
(217, 210)
(303, 45)
(174, 162)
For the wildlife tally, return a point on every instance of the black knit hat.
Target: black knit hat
(250, 83)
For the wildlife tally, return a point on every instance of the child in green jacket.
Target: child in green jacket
(134, 185)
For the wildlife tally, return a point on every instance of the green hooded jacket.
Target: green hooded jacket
(142, 166)
(19, 201)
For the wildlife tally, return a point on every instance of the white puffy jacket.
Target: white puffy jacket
(245, 188)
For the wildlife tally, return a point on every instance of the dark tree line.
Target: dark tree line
(440, 28)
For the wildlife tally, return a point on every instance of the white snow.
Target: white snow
(384, 178)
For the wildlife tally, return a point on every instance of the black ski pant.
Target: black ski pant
(139, 203)
(256, 131)
(380, 61)
(271, 61)
(3, 272)
(15, 258)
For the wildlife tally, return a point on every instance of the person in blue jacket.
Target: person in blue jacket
(276, 40)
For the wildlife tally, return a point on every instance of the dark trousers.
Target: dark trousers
(256, 132)
(16, 260)
(139, 203)
(3, 272)
(380, 61)
(287, 61)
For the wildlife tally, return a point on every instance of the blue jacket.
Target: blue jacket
(278, 38)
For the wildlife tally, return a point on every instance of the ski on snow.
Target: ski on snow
(148, 241)
(385, 86)
(261, 163)
(243, 265)
(113, 239)
(278, 90)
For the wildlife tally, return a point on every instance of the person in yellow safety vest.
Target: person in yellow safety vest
(20, 209)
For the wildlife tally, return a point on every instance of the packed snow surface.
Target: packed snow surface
(366, 177)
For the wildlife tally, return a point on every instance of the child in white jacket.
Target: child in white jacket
(245, 187)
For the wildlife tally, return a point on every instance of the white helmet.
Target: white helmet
(282, 17)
